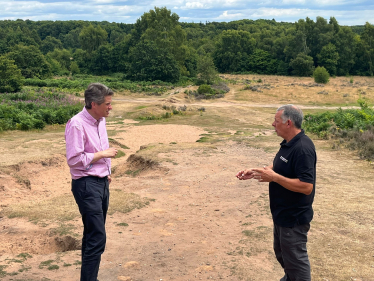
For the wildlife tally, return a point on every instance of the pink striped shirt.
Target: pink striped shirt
(84, 135)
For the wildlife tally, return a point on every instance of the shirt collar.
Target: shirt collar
(89, 117)
(294, 139)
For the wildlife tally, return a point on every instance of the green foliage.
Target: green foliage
(261, 62)
(353, 127)
(49, 44)
(209, 92)
(206, 70)
(321, 75)
(232, 51)
(205, 89)
(30, 61)
(302, 65)
(29, 109)
(149, 63)
(62, 56)
(90, 38)
(11, 79)
(356, 126)
(80, 81)
(159, 30)
(74, 68)
(242, 46)
(328, 58)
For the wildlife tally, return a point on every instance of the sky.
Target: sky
(346, 12)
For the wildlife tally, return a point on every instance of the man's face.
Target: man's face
(279, 126)
(103, 109)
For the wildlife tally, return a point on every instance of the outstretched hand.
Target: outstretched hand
(245, 175)
(264, 175)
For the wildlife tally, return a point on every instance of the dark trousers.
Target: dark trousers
(92, 196)
(291, 251)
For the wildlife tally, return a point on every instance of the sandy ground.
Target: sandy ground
(202, 223)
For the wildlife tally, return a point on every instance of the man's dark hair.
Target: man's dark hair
(293, 113)
(96, 92)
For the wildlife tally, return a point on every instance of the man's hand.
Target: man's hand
(109, 153)
(245, 175)
(264, 175)
(109, 179)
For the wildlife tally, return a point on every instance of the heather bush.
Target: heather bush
(353, 128)
(210, 92)
(33, 109)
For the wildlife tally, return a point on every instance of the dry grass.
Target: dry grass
(63, 208)
(60, 208)
(299, 90)
(19, 146)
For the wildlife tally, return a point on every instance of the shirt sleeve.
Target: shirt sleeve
(75, 139)
(305, 166)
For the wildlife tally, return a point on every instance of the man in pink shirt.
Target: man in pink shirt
(88, 156)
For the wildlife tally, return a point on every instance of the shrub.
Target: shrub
(205, 89)
(209, 92)
(321, 75)
(353, 127)
(29, 109)
(11, 79)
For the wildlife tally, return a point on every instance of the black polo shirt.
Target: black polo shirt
(295, 159)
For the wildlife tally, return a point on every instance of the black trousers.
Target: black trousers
(291, 251)
(92, 197)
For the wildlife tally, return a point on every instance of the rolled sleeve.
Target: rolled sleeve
(76, 156)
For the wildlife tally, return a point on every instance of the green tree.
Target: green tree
(49, 44)
(148, 62)
(83, 59)
(162, 28)
(206, 70)
(302, 65)
(261, 62)
(102, 60)
(367, 40)
(120, 54)
(31, 61)
(63, 56)
(328, 57)
(71, 40)
(74, 68)
(321, 75)
(91, 38)
(56, 68)
(346, 46)
(11, 79)
(232, 51)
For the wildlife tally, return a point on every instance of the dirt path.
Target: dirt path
(201, 222)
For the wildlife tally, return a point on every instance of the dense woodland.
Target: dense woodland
(159, 47)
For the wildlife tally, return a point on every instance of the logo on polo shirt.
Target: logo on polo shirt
(283, 159)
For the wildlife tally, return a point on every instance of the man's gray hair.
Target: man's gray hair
(96, 92)
(293, 113)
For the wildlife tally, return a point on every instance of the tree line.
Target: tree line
(159, 47)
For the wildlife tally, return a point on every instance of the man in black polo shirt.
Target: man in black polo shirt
(291, 180)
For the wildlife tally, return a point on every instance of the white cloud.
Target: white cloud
(194, 5)
(290, 2)
(230, 16)
(347, 12)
